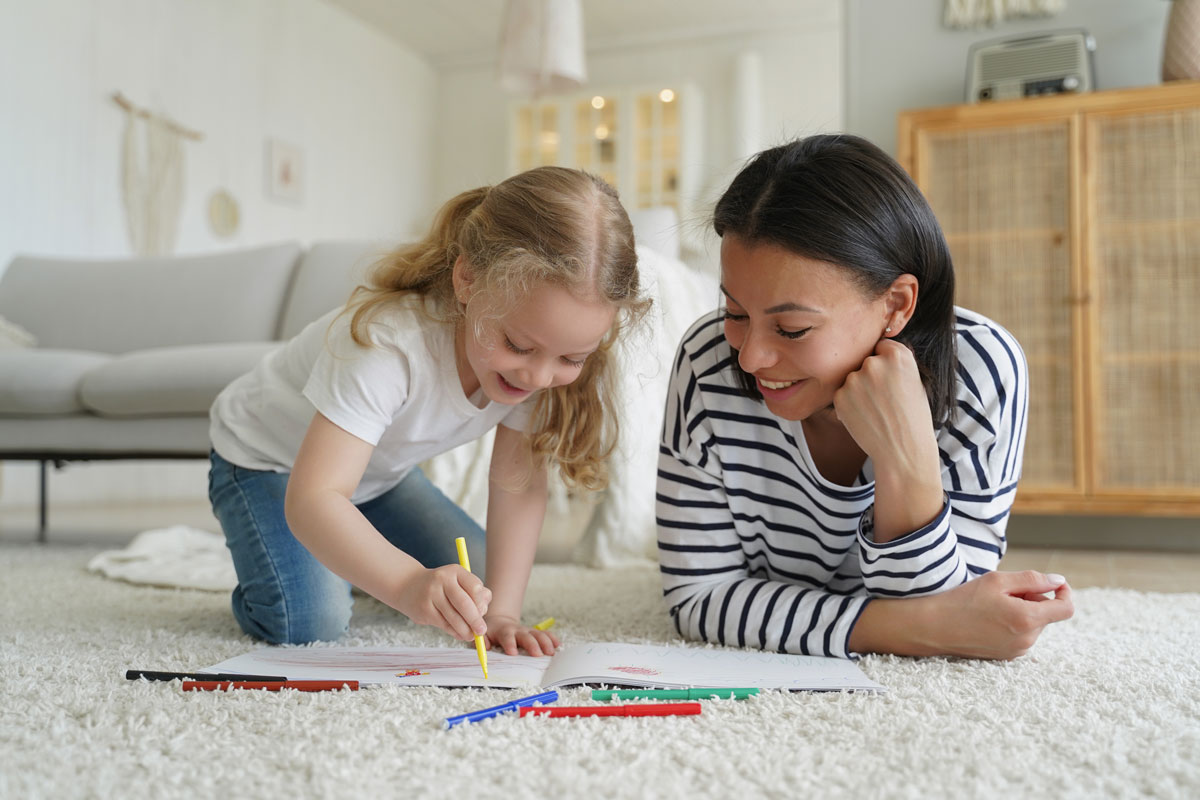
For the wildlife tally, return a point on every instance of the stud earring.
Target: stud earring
(888, 329)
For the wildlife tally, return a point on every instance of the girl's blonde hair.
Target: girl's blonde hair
(547, 225)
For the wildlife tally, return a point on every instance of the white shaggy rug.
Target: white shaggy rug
(1107, 705)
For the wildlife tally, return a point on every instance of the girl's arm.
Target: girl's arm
(516, 510)
(320, 514)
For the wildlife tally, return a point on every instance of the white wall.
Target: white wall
(801, 88)
(359, 105)
(899, 56)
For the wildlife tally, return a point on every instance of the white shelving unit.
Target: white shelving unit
(644, 140)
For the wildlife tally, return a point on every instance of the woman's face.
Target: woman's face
(800, 326)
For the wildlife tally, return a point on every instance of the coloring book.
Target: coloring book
(599, 663)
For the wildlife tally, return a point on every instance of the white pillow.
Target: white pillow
(13, 336)
(622, 528)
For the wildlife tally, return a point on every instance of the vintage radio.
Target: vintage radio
(1023, 66)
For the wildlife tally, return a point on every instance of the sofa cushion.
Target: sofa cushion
(324, 278)
(133, 303)
(40, 380)
(168, 380)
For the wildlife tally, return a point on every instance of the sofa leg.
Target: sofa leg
(41, 535)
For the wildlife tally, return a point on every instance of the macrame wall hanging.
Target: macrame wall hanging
(152, 178)
(980, 13)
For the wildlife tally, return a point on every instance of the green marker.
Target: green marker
(672, 694)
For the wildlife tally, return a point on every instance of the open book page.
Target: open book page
(412, 666)
(608, 663)
(684, 667)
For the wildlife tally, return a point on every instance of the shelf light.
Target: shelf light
(602, 132)
(666, 95)
(597, 102)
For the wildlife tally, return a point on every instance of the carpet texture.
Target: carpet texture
(1106, 705)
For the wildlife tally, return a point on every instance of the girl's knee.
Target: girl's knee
(325, 624)
(319, 616)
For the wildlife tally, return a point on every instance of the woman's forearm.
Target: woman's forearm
(901, 626)
(996, 616)
(908, 495)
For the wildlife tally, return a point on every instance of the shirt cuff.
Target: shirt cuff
(866, 529)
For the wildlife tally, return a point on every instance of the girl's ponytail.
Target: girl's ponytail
(424, 267)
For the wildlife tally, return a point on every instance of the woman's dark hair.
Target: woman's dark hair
(839, 199)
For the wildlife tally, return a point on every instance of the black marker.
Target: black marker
(152, 675)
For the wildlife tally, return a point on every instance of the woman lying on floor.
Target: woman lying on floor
(841, 444)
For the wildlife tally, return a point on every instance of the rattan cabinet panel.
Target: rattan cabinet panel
(1075, 223)
(1145, 241)
(1001, 196)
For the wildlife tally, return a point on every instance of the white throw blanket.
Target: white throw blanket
(176, 556)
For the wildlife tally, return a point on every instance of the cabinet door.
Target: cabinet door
(1002, 195)
(1144, 242)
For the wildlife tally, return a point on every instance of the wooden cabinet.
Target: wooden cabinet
(1074, 221)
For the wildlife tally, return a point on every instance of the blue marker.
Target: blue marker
(503, 708)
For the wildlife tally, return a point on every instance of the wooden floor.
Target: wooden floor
(115, 526)
(1129, 569)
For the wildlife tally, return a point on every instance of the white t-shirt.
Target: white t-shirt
(402, 395)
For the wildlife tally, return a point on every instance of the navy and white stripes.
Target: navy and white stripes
(757, 549)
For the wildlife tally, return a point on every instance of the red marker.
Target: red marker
(638, 710)
(270, 686)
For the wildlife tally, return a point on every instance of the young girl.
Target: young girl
(504, 315)
(842, 444)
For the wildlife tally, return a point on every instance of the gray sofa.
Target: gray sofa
(130, 353)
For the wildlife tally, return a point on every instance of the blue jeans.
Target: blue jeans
(284, 595)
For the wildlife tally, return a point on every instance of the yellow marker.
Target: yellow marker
(545, 624)
(465, 562)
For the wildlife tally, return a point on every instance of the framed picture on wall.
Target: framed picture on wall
(285, 172)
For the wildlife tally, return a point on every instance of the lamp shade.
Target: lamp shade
(541, 46)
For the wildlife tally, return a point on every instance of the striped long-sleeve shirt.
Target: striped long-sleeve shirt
(758, 549)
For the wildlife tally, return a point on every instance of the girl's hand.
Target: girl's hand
(449, 597)
(510, 634)
(883, 406)
(1000, 615)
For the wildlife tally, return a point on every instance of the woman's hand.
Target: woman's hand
(1001, 614)
(996, 616)
(449, 597)
(883, 405)
(510, 634)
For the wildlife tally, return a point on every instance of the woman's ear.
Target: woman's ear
(463, 279)
(900, 303)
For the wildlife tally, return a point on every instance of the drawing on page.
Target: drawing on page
(640, 671)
